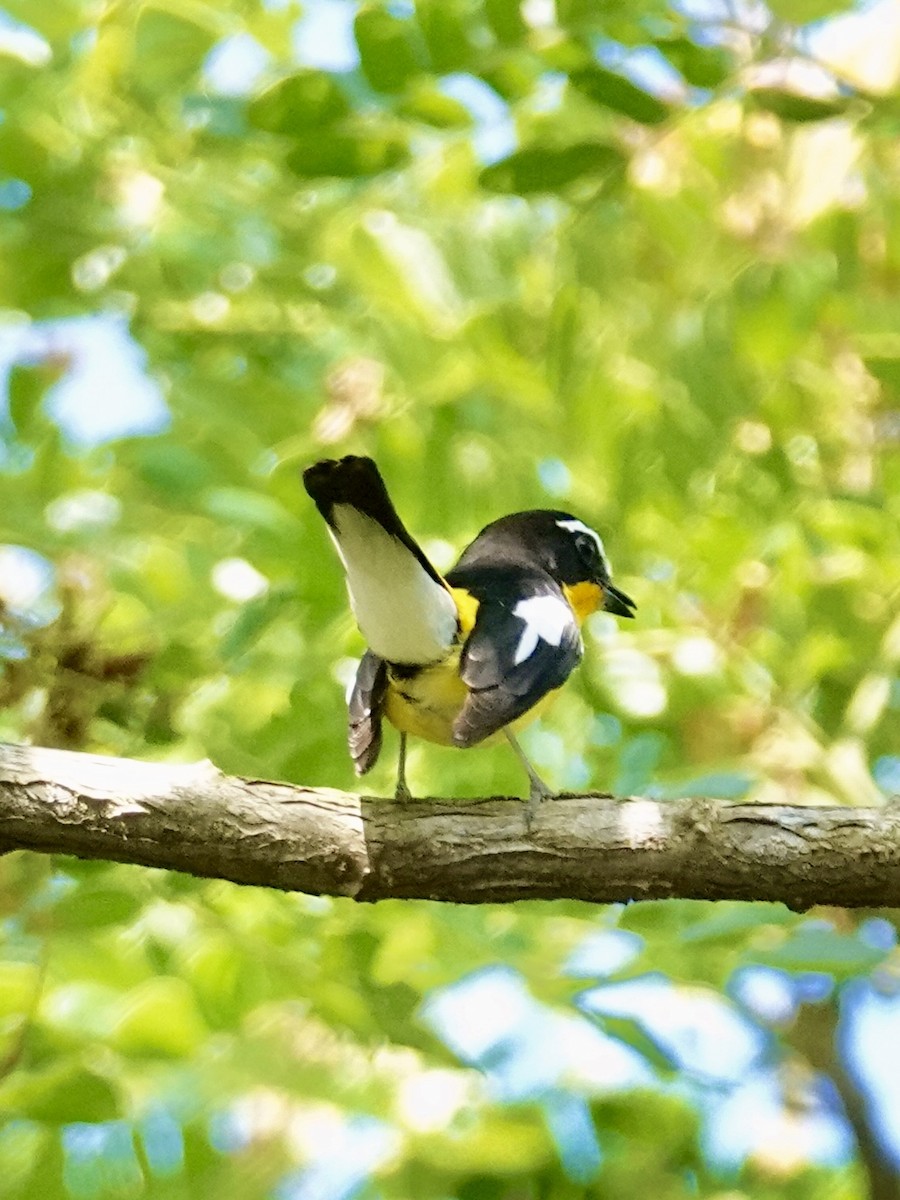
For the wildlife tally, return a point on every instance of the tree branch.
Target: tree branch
(585, 847)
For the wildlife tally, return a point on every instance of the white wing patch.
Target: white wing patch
(575, 526)
(546, 619)
(404, 614)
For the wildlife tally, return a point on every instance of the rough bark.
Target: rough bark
(586, 847)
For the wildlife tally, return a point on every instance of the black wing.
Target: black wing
(365, 704)
(508, 666)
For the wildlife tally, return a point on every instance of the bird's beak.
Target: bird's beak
(617, 602)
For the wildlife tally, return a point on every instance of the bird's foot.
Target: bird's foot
(402, 791)
(539, 792)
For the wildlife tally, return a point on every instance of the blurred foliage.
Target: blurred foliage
(636, 260)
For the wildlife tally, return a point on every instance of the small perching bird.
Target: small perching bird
(455, 659)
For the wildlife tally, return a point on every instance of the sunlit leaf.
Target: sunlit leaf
(701, 66)
(169, 47)
(549, 168)
(55, 21)
(794, 106)
(632, 1033)
(249, 508)
(733, 920)
(176, 471)
(885, 368)
(434, 107)
(60, 1093)
(505, 20)
(93, 908)
(27, 388)
(19, 984)
(817, 949)
(614, 91)
(800, 12)
(303, 101)
(253, 618)
(159, 1017)
(511, 76)
(447, 34)
(385, 49)
(347, 155)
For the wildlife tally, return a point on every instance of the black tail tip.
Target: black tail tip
(353, 479)
(333, 476)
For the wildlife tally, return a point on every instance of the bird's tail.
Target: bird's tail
(402, 605)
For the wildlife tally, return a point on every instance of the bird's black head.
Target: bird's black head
(560, 544)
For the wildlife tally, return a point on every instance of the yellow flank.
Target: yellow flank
(467, 607)
(585, 598)
(427, 705)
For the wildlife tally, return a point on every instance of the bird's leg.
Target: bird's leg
(538, 790)
(402, 792)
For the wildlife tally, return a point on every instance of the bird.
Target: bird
(456, 659)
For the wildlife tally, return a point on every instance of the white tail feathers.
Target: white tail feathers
(404, 614)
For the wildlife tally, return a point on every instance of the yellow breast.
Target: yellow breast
(585, 598)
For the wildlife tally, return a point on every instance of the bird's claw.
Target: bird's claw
(535, 796)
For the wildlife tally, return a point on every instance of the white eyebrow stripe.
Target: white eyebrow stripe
(546, 619)
(575, 526)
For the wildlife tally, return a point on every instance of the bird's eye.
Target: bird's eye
(587, 548)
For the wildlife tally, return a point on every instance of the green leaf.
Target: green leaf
(57, 21)
(251, 620)
(216, 116)
(655, 917)
(95, 908)
(732, 921)
(347, 155)
(549, 168)
(505, 20)
(632, 1032)
(512, 76)
(19, 982)
(445, 32)
(176, 471)
(815, 949)
(385, 49)
(58, 1094)
(169, 48)
(885, 368)
(254, 510)
(304, 101)
(794, 106)
(701, 66)
(80, 1011)
(27, 387)
(30, 1161)
(424, 102)
(621, 95)
(800, 12)
(575, 13)
(160, 1017)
